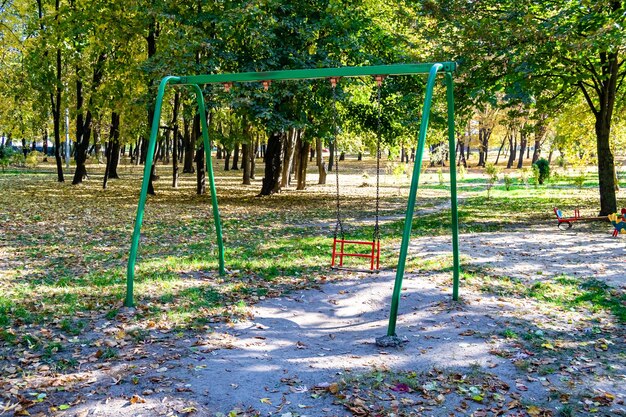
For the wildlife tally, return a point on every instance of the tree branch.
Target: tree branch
(589, 101)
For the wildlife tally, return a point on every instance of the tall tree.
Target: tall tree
(563, 46)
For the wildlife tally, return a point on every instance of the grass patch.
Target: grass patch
(574, 293)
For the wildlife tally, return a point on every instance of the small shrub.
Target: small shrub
(462, 172)
(524, 174)
(32, 159)
(17, 159)
(508, 182)
(579, 180)
(492, 172)
(543, 166)
(534, 179)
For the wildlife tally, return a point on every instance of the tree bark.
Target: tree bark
(288, 153)
(45, 145)
(512, 148)
(188, 144)
(112, 150)
(500, 150)
(484, 134)
(83, 129)
(319, 161)
(245, 162)
(235, 158)
(227, 154)
(331, 156)
(304, 148)
(200, 171)
(522, 147)
(273, 164)
(253, 154)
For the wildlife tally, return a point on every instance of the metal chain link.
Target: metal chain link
(339, 224)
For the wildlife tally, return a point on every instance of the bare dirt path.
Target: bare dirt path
(285, 361)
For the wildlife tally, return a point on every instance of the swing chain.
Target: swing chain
(339, 224)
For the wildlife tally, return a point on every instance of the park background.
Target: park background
(538, 85)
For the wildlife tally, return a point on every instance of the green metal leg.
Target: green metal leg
(209, 168)
(408, 222)
(456, 268)
(130, 272)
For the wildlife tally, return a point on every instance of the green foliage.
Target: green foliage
(534, 179)
(579, 180)
(462, 172)
(492, 173)
(508, 182)
(524, 175)
(6, 156)
(543, 168)
(32, 159)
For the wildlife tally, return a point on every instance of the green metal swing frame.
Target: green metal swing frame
(432, 69)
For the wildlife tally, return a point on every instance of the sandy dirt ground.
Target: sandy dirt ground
(283, 360)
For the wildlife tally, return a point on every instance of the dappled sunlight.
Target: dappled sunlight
(280, 313)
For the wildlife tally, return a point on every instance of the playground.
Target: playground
(538, 329)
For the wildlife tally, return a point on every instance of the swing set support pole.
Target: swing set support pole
(456, 265)
(147, 171)
(209, 170)
(408, 222)
(132, 258)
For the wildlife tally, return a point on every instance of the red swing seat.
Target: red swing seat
(373, 254)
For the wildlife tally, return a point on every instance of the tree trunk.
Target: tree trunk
(45, 145)
(273, 164)
(218, 154)
(253, 154)
(115, 157)
(245, 162)
(500, 150)
(304, 148)
(235, 158)
(540, 133)
(522, 147)
(331, 156)
(606, 165)
(288, 151)
(512, 148)
(484, 134)
(188, 144)
(112, 149)
(227, 153)
(200, 171)
(319, 161)
(83, 129)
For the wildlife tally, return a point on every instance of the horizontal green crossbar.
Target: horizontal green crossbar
(397, 69)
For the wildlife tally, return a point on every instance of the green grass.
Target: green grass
(563, 292)
(591, 294)
(69, 245)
